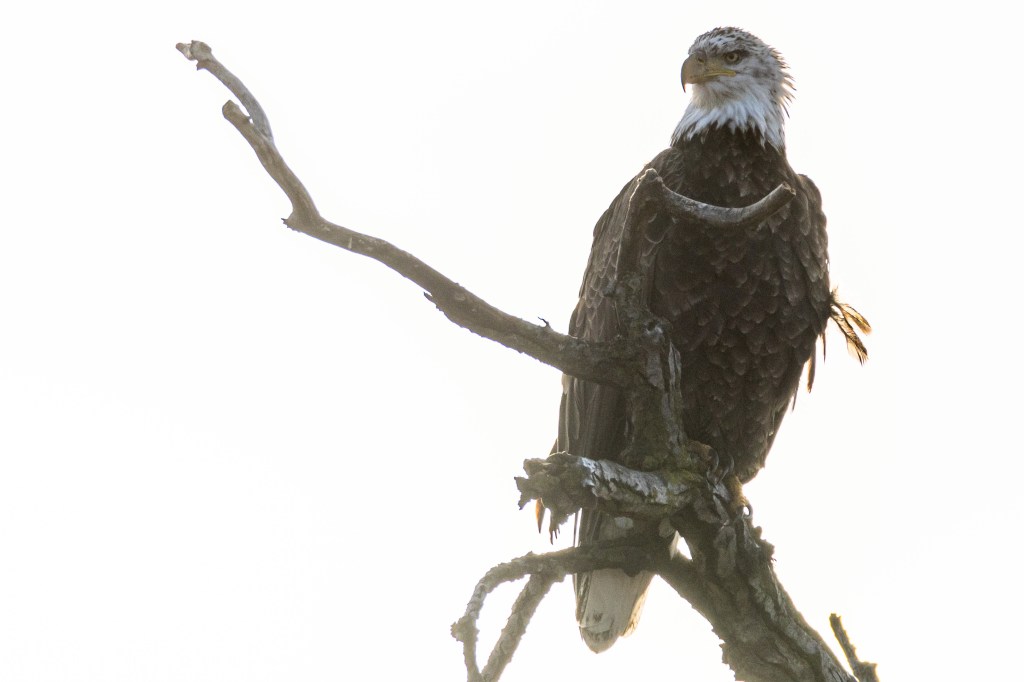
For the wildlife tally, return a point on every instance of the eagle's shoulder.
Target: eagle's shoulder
(593, 315)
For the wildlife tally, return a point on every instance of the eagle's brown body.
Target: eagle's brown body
(745, 307)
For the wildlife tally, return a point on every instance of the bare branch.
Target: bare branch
(602, 363)
(719, 216)
(731, 578)
(567, 483)
(763, 635)
(862, 670)
(522, 611)
(201, 53)
(545, 570)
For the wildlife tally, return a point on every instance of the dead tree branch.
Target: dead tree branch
(862, 670)
(544, 570)
(568, 483)
(730, 578)
(685, 207)
(601, 363)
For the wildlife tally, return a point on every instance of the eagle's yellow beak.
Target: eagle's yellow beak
(700, 69)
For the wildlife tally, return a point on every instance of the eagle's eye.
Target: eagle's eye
(731, 57)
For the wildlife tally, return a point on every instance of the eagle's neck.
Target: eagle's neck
(759, 111)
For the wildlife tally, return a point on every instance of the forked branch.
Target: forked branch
(543, 571)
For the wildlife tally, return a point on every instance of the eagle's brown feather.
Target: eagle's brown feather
(745, 307)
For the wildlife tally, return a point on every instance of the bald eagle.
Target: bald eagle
(745, 307)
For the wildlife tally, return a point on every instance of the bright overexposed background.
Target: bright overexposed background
(230, 452)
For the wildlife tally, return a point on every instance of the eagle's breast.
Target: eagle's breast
(746, 304)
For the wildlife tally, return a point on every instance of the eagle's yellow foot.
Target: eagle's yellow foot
(719, 470)
(716, 469)
(739, 505)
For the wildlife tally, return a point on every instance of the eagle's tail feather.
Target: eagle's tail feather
(608, 605)
(609, 601)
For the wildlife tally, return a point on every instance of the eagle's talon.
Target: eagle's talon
(715, 468)
(722, 469)
(738, 504)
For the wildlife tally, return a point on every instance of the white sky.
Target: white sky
(229, 452)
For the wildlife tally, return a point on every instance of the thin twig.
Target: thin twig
(522, 611)
(545, 570)
(202, 55)
(862, 670)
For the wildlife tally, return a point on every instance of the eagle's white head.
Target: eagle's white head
(739, 83)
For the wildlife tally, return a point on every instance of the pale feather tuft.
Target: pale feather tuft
(846, 318)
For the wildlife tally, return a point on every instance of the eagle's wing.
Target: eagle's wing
(593, 423)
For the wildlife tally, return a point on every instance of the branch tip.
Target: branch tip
(862, 670)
